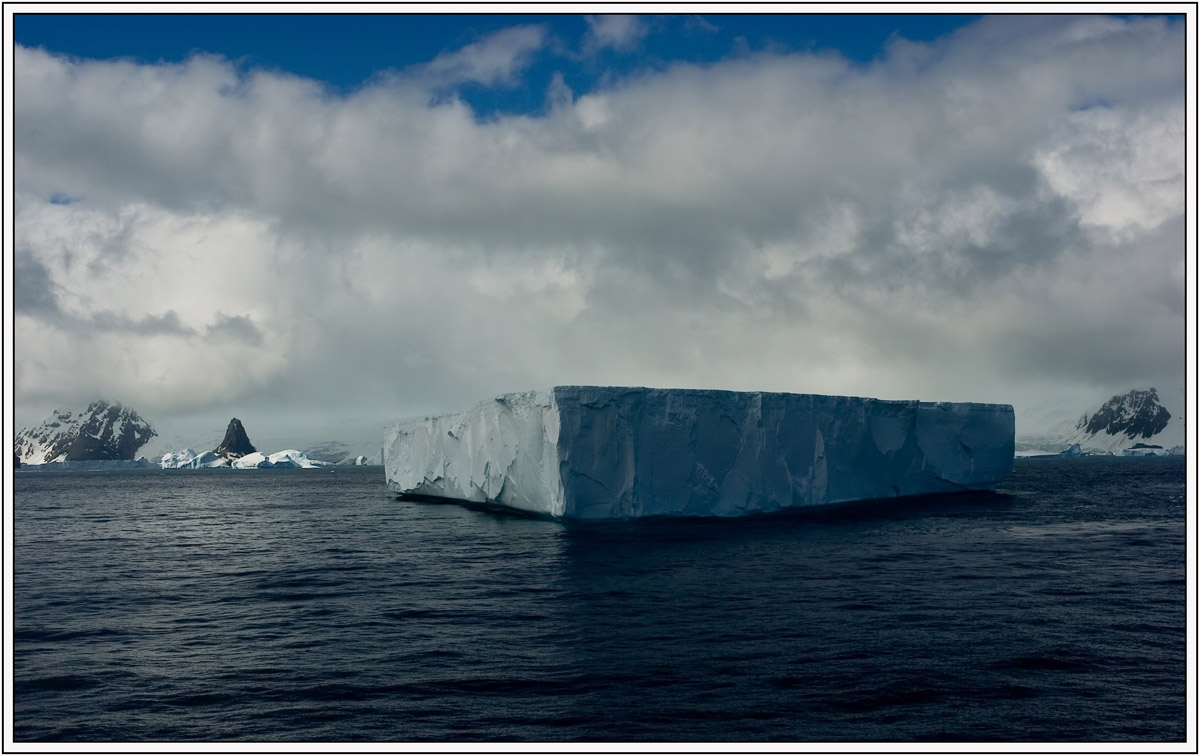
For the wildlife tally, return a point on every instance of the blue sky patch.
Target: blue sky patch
(347, 50)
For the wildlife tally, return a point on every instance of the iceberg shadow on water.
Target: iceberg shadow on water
(954, 504)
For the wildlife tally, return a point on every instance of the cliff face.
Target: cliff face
(236, 443)
(104, 431)
(605, 453)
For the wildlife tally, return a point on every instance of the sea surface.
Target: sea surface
(313, 605)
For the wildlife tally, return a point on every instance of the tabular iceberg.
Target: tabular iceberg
(601, 453)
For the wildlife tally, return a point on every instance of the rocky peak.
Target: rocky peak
(1136, 414)
(236, 443)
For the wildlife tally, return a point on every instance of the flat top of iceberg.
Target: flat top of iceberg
(571, 390)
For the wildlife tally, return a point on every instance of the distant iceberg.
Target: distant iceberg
(288, 458)
(599, 453)
(188, 459)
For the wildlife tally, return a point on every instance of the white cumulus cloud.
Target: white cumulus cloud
(620, 32)
(497, 59)
(991, 216)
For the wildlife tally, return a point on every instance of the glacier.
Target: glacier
(607, 453)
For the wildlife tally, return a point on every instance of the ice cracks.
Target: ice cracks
(598, 453)
(504, 451)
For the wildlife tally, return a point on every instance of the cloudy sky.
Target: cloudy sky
(296, 220)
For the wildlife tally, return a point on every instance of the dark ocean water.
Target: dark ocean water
(305, 605)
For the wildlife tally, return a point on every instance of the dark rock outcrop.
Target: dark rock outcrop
(236, 443)
(104, 431)
(1134, 415)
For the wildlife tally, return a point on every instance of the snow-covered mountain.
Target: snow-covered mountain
(1137, 416)
(104, 431)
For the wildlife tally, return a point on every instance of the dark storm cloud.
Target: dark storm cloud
(35, 293)
(236, 327)
(164, 324)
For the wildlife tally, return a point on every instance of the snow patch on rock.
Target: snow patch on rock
(1118, 423)
(104, 431)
